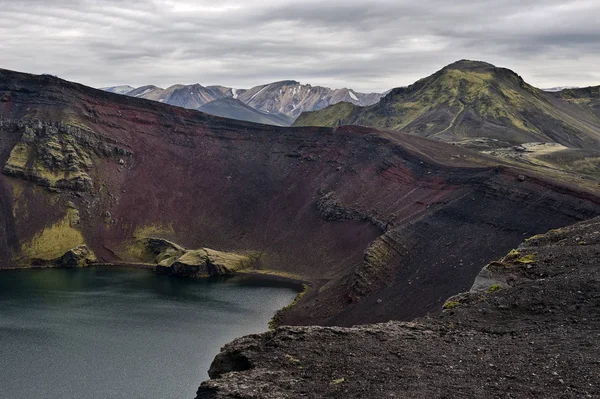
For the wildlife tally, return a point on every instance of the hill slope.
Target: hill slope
(512, 339)
(360, 214)
(467, 101)
(586, 98)
(228, 107)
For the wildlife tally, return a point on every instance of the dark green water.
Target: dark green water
(121, 333)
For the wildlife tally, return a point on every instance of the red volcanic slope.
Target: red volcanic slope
(362, 216)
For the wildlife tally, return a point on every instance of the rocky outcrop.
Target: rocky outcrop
(160, 251)
(206, 262)
(375, 269)
(330, 208)
(81, 256)
(534, 335)
(56, 155)
(172, 259)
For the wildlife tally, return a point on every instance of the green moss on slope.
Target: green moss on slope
(53, 241)
(465, 101)
(334, 115)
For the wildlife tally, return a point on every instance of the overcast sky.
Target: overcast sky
(366, 45)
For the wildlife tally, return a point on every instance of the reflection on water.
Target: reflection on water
(121, 333)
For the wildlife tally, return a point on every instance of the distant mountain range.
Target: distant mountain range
(559, 88)
(275, 103)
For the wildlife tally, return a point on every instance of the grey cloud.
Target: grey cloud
(366, 45)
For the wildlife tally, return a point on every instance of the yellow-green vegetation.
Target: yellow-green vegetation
(225, 262)
(268, 272)
(153, 230)
(55, 240)
(228, 260)
(435, 106)
(329, 116)
(535, 237)
(378, 254)
(274, 322)
(19, 205)
(376, 259)
(78, 124)
(18, 187)
(512, 255)
(51, 176)
(586, 165)
(338, 381)
(19, 156)
(136, 249)
(450, 305)
(166, 254)
(50, 162)
(530, 258)
(494, 288)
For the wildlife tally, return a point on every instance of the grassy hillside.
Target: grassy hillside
(587, 98)
(333, 115)
(470, 101)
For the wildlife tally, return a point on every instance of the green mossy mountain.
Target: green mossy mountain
(471, 101)
(587, 98)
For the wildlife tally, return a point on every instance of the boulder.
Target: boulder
(81, 256)
(205, 262)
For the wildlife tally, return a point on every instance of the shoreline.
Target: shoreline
(270, 275)
(302, 285)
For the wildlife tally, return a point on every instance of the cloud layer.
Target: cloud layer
(367, 45)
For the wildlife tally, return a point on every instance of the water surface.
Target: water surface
(106, 333)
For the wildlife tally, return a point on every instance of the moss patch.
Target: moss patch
(530, 258)
(54, 241)
(333, 115)
(274, 322)
(494, 288)
(450, 305)
(136, 249)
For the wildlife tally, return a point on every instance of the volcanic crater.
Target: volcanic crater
(381, 225)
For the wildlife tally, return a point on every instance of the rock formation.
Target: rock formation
(528, 329)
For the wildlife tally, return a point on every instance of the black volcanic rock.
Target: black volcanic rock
(535, 335)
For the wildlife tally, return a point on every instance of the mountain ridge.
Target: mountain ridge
(288, 98)
(232, 108)
(467, 100)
